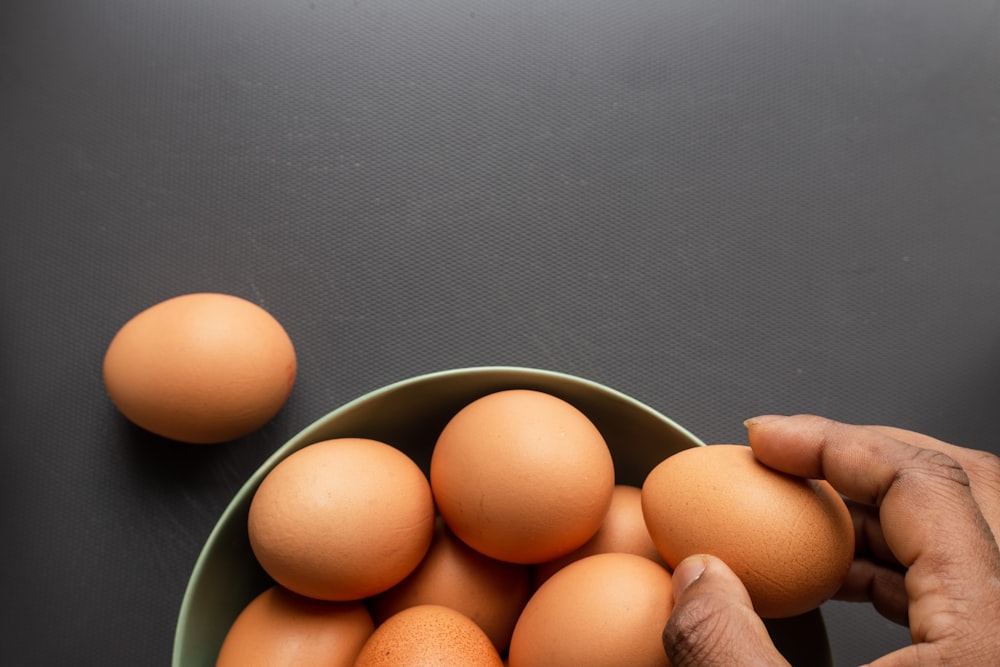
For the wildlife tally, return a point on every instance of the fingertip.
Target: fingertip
(792, 443)
(713, 621)
(712, 574)
(761, 419)
(687, 572)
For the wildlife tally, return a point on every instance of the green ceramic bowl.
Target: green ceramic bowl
(409, 415)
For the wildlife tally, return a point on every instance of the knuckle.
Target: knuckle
(929, 466)
(828, 431)
(692, 634)
(986, 466)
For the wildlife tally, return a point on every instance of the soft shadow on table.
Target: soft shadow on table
(207, 475)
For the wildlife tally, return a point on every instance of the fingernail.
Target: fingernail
(687, 572)
(762, 419)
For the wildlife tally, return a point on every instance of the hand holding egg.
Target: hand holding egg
(790, 540)
(923, 510)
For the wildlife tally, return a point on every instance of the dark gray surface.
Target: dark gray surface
(720, 208)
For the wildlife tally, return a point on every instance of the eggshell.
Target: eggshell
(790, 540)
(428, 635)
(281, 629)
(342, 519)
(622, 531)
(605, 610)
(200, 368)
(490, 592)
(522, 476)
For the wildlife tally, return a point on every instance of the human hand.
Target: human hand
(926, 517)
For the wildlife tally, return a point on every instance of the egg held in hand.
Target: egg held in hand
(522, 476)
(200, 368)
(790, 540)
(342, 519)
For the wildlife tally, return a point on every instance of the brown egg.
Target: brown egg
(200, 368)
(790, 540)
(522, 476)
(605, 610)
(428, 635)
(453, 574)
(622, 531)
(342, 519)
(282, 629)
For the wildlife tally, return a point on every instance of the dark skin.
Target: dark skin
(926, 517)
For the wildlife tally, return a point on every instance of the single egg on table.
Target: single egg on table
(200, 368)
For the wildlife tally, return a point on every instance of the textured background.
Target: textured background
(720, 208)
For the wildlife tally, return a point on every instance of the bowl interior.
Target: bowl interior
(409, 415)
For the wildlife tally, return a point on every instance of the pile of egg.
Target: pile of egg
(519, 548)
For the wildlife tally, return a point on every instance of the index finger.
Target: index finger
(912, 484)
(928, 515)
(860, 462)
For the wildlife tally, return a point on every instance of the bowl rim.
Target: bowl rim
(307, 433)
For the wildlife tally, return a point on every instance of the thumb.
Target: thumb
(713, 623)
